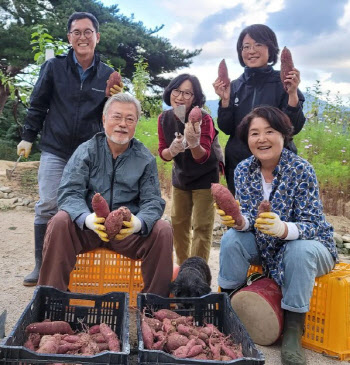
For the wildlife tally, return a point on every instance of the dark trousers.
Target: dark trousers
(64, 240)
(229, 174)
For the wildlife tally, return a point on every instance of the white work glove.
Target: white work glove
(24, 148)
(132, 227)
(177, 146)
(96, 224)
(192, 134)
(271, 224)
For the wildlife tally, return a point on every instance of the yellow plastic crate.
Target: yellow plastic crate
(327, 324)
(101, 271)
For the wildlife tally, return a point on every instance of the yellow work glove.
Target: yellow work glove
(96, 224)
(131, 227)
(271, 224)
(24, 148)
(116, 89)
(226, 220)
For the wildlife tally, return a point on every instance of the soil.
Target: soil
(17, 245)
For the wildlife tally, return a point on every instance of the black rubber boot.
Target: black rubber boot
(292, 352)
(39, 234)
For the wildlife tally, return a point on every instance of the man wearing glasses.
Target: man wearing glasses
(124, 172)
(65, 109)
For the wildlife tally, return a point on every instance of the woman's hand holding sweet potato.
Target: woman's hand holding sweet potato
(271, 224)
(226, 220)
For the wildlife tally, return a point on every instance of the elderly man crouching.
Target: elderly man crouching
(124, 172)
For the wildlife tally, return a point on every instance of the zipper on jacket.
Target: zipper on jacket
(115, 165)
(254, 95)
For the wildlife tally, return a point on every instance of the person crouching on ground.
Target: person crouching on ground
(124, 171)
(293, 243)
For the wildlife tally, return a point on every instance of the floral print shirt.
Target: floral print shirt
(294, 197)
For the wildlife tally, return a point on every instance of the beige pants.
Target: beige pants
(192, 210)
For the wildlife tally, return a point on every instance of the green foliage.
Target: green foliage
(151, 105)
(41, 41)
(140, 79)
(120, 36)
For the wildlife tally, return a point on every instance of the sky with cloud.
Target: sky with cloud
(316, 31)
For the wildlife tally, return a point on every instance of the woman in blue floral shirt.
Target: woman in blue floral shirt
(293, 242)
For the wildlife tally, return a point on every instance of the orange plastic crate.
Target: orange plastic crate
(101, 271)
(327, 324)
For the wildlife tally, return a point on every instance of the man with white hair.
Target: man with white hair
(124, 172)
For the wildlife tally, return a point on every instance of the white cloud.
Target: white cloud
(345, 20)
(196, 9)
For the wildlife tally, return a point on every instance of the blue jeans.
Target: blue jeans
(304, 260)
(49, 178)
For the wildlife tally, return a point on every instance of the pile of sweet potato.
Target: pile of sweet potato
(177, 335)
(57, 337)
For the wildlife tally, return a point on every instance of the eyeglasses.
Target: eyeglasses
(248, 47)
(186, 94)
(77, 33)
(117, 119)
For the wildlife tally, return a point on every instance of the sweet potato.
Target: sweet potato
(183, 350)
(71, 338)
(49, 344)
(126, 213)
(64, 347)
(195, 350)
(226, 202)
(100, 206)
(175, 341)
(114, 223)
(50, 328)
(168, 326)
(195, 115)
(154, 323)
(114, 79)
(110, 337)
(33, 341)
(264, 207)
(187, 330)
(161, 339)
(94, 329)
(223, 73)
(165, 313)
(147, 335)
(234, 352)
(103, 346)
(186, 320)
(287, 65)
(98, 338)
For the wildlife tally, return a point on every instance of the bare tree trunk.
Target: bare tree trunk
(4, 94)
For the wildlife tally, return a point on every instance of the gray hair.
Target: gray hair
(123, 98)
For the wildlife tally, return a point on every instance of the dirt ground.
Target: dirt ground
(17, 247)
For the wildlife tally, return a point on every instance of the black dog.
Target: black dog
(193, 280)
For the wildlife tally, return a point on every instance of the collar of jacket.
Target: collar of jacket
(254, 73)
(72, 63)
(131, 146)
(255, 168)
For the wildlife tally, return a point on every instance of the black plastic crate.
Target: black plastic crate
(75, 308)
(213, 308)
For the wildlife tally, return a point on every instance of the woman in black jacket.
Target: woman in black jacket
(259, 84)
